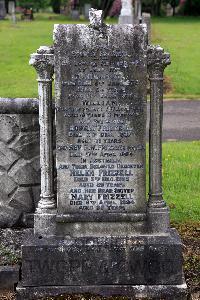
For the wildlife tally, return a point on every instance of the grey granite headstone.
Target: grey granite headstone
(100, 119)
(2, 9)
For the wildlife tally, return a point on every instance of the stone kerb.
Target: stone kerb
(19, 159)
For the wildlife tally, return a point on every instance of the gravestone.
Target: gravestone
(99, 235)
(75, 14)
(2, 9)
(126, 15)
(87, 8)
(169, 10)
(146, 19)
(137, 10)
(11, 7)
(11, 10)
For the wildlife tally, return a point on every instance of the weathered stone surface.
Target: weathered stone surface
(43, 62)
(19, 157)
(21, 106)
(100, 75)
(103, 235)
(29, 123)
(7, 156)
(3, 198)
(36, 190)
(24, 173)
(9, 216)
(8, 128)
(26, 144)
(128, 292)
(142, 260)
(35, 162)
(9, 277)
(7, 184)
(22, 199)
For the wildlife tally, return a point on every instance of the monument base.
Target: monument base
(164, 292)
(136, 266)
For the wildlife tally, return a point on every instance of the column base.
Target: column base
(45, 223)
(158, 219)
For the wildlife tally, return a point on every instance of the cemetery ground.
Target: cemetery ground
(181, 165)
(178, 35)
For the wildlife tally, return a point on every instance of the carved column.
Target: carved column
(158, 211)
(43, 62)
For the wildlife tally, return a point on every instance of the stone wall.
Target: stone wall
(19, 160)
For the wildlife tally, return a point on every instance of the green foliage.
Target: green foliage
(192, 7)
(181, 176)
(36, 4)
(8, 256)
(180, 37)
(56, 6)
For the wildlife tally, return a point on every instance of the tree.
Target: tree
(35, 4)
(56, 6)
(192, 7)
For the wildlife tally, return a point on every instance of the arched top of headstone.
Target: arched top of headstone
(96, 18)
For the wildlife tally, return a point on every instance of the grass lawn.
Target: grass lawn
(17, 78)
(179, 36)
(181, 177)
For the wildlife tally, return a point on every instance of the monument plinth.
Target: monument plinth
(96, 232)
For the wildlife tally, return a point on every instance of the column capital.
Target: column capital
(43, 62)
(157, 61)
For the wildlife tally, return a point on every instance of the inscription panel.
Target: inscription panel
(100, 78)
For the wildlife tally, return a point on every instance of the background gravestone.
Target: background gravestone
(2, 9)
(126, 15)
(87, 7)
(146, 19)
(11, 7)
(11, 10)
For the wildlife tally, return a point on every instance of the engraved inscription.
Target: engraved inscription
(100, 121)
